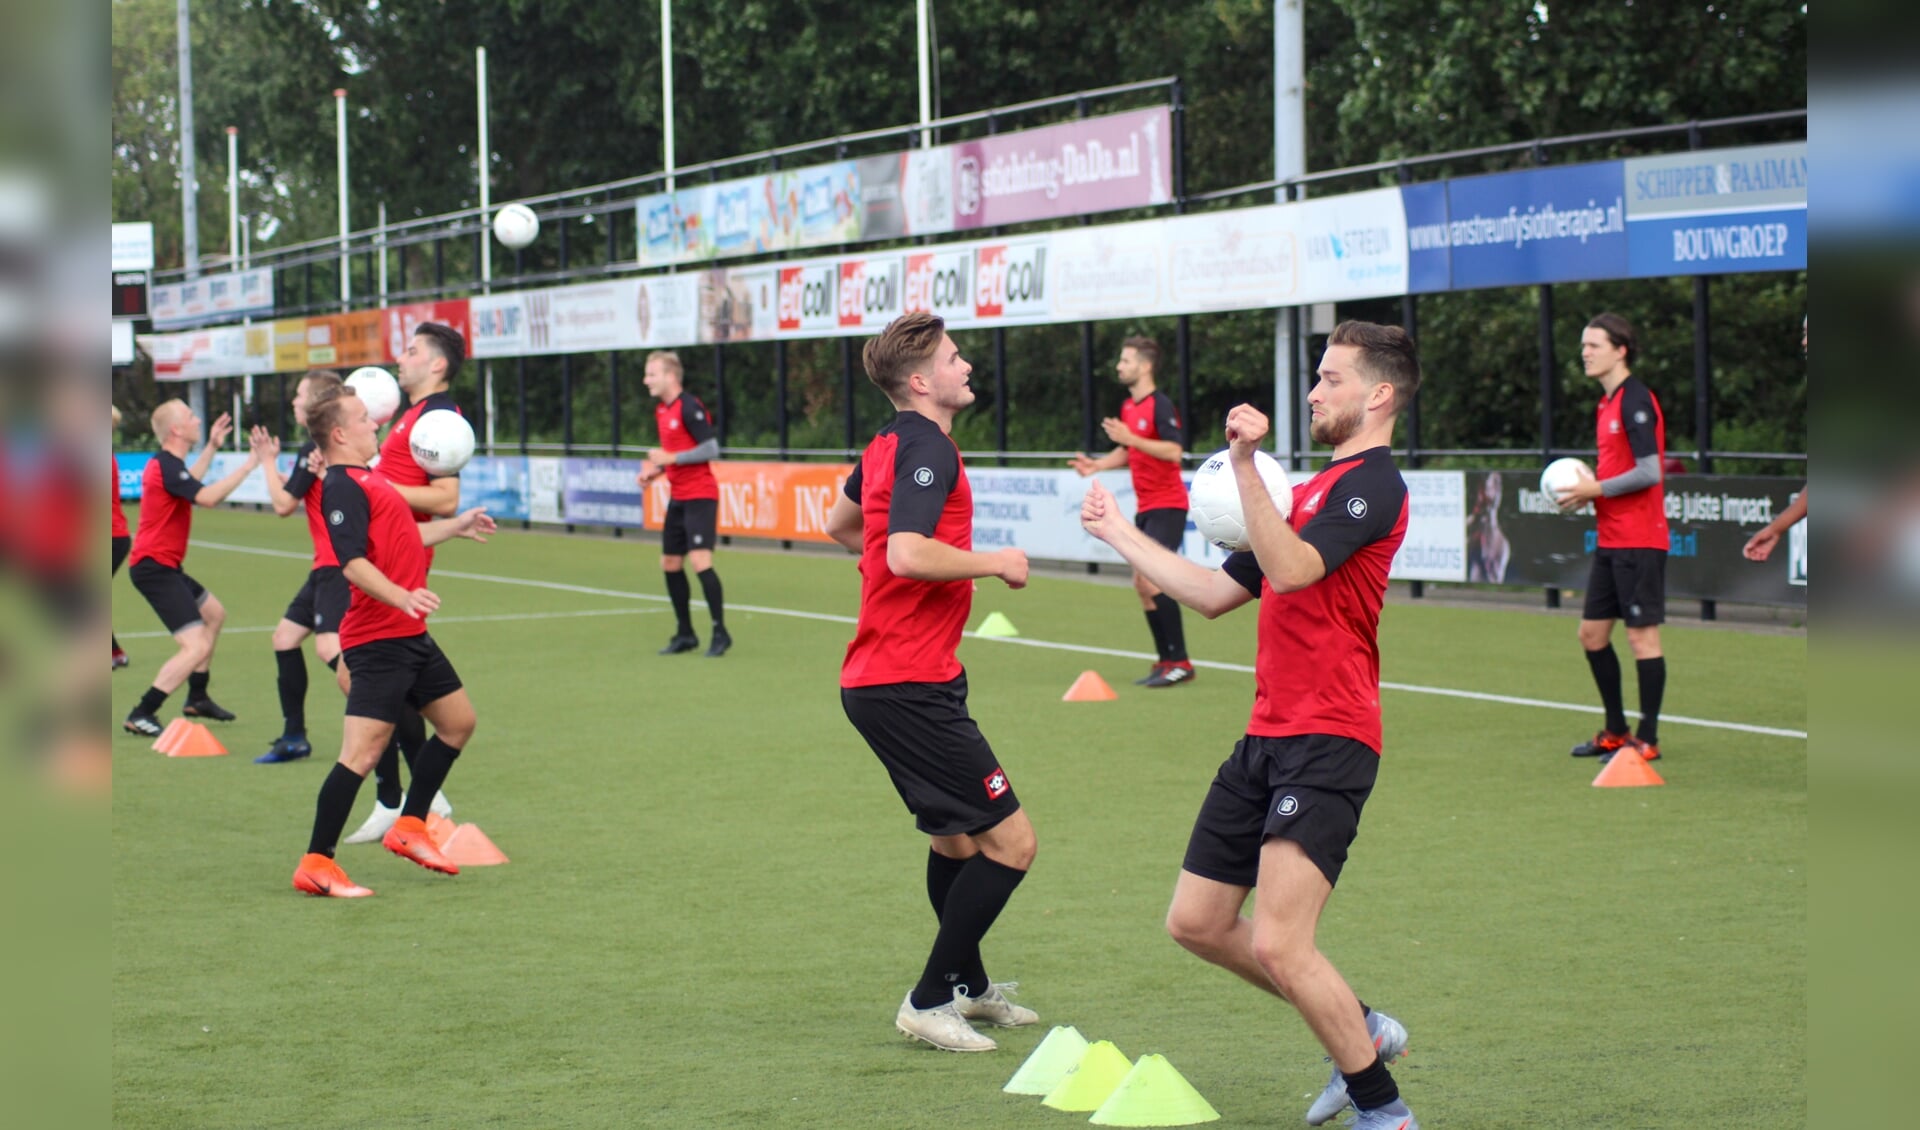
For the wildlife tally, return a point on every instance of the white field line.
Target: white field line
(436, 621)
(1082, 649)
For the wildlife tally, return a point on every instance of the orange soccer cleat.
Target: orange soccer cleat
(320, 875)
(409, 839)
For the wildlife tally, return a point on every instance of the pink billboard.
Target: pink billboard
(1091, 165)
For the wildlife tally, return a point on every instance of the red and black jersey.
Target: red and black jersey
(1317, 670)
(367, 518)
(909, 480)
(1629, 425)
(1156, 482)
(685, 424)
(306, 486)
(119, 515)
(167, 491)
(396, 451)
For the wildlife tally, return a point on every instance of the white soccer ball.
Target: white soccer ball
(377, 389)
(442, 442)
(1214, 498)
(1561, 474)
(515, 225)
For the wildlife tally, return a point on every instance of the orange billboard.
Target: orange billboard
(346, 341)
(785, 501)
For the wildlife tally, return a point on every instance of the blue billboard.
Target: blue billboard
(1538, 226)
(1429, 266)
(1718, 211)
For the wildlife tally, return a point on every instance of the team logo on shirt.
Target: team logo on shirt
(1640, 417)
(1613, 427)
(1287, 807)
(336, 517)
(183, 475)
(997, 785)
(924, 476)
(1357, 507)
(673, 425)
(1313, 503)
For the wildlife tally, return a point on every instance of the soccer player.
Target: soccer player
(397, 668)
(169, 491)
(122, 542)
(1151, 442)
(1284, 808)
(1628, 579)
(425, 374)
(687, 449)
(907, 510)
(317, 608)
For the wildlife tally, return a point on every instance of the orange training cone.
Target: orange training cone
(468, 846)
(197, 741)
(1626, 769)
(1089, 687)
(171, 736)
(439, 829)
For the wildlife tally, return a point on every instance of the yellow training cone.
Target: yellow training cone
(1049, 1062)
(1090, 1081)
(996, 625)
(1154, 1094)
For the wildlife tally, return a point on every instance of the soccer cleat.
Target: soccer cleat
(441, 806)
(376, 826)
(408, 839)
(146, 725)
(1602, 745)
(207, 708)
(120, 659)
(1393, 1116)
(320, 875)
(942, 1026)
(286, 747)
(994, 1008)
(1171, 675)
(682, 641)
(1389, 1039)
(1647, 750)
(1150, 676)
(721, 642)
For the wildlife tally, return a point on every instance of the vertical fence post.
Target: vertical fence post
(1182, 334)
(781, 422)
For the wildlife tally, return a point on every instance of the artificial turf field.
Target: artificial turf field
(716, 902)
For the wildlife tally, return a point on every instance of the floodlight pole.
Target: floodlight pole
(926, 70)
(666, 83)
(233, 198)
(485, 171)
(1289, 160)
(340, 151)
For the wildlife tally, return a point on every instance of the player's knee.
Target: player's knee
(1195, 933)
(1645, 642)
(1595, 634)
(196, 644)
(672, 564)
(1282, 955)
(287, 636)
(213, 613)
(327, 647)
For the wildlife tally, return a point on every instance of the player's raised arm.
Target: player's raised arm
(1209, 592)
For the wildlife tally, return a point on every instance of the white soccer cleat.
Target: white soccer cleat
(993, 1007)
(1389, 1039)
(942, 1026)
(441, 806)
(376, 826)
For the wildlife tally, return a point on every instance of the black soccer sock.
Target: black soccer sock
(293, 689)
(1606, 676)
(116, 643)
(682, 595)
(1159, 635)
(976, 898)
(1372, 1088)
(386, 776)
(336, 804)
(1175, 650)
(429, 773)
(1653, 687)
(710, 585)
(1364, 1010)
(410, 734)
(152, 701)
(197, 685)
(941, 872)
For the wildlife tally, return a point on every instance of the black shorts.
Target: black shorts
(1628, 584)
(393, 676)
(690, 525)
(1166, 526)
(940, 763)
(120, 547)
(1308, 789)
(175, 596)
(322, 601)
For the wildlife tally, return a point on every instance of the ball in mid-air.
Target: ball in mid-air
(1214, 498)
(515, 225)
(378, 390)
(442, 442)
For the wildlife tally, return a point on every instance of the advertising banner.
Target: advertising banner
(498, 326)
(1435, 548)
(346, 341)
(212, 298)
(1091, 165)
(1538, 226)
(906, 193)
(228, 351)
(784, 501)
(130, 466)
(1429, 266)
(1516, 536)
(869, 292)
(1717, 211)
(398, 323)
(133, 246)
(940, 282)
(807, 297)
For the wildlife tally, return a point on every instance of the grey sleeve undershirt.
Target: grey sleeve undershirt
(1645, 473)
(706, 451)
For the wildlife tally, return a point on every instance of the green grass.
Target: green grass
(715, 900)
